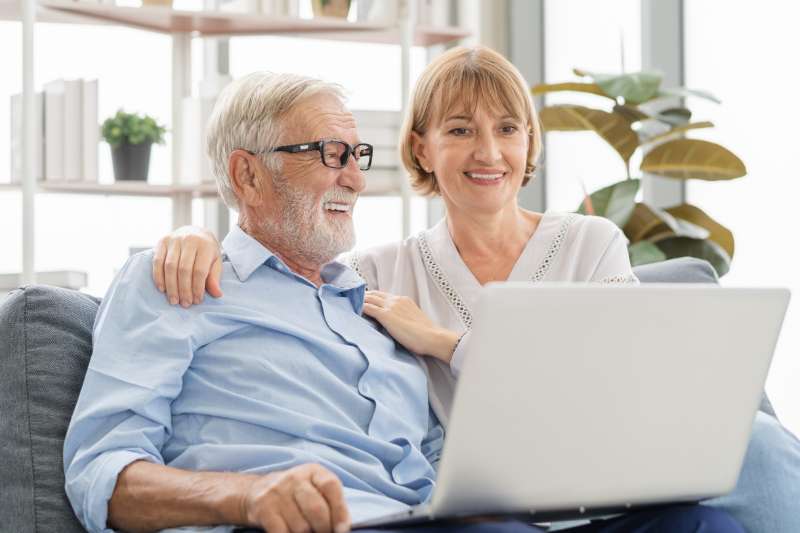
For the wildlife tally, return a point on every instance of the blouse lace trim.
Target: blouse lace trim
(449, 292)
(619, 279)
(354, 263)
(435, 271)
(554, 249)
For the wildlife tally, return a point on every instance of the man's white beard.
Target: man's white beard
(305, 228)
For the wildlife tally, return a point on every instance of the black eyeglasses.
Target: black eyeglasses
(334, 154)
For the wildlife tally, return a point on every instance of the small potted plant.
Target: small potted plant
(331, 8)
(131, 137)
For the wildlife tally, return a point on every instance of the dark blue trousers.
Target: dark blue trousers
(677, 519)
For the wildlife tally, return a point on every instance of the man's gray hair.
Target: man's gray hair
(248, 115)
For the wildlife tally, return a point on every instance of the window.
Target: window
(757, 121)
(590, 36)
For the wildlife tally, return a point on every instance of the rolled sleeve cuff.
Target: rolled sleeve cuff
(94, 514)
(459, 355)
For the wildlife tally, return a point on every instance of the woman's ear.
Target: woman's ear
(419, 148)
(243, 171)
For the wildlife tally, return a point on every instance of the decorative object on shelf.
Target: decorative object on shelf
(131, 136)
(159, 3)
(642, 116)
(331, 8)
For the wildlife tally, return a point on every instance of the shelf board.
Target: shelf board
(224, 23)
(130, 188)
(381, 185)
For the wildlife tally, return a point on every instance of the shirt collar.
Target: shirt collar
(246, 254)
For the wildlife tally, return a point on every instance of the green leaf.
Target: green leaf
(634, 87)
(682, 92)
(132, 129)
(693, 159)
(612, 128)
(644, 252)
(615, 202)
(702, 249)
(674, 116)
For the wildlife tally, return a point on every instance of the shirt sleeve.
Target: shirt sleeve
(142, 347)
(615, 264)
(459, 354)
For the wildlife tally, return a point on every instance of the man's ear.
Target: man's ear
(243, 171)
(418, 147)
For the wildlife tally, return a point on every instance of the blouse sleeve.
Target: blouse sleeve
(615, 264)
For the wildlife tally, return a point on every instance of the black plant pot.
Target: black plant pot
(131, 161)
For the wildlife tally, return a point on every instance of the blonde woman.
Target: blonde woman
(472, 137)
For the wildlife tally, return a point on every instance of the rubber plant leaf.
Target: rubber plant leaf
(633, 87)
(615, 202)
(644, 252)
(717, 232)
(678, 130)
(579, 87)
(682, 92)
(693, 159)
(702, 249)
(612, 128)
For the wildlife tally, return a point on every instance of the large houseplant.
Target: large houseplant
(637, 116)
(131, 137)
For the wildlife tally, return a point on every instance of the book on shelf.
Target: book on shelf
(54, 131)
(71, 130)
(195, 166)
(91, 132)
(17, 135)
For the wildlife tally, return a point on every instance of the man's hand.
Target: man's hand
(302, 499)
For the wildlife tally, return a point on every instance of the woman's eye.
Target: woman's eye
(459, 131)
(508, 129)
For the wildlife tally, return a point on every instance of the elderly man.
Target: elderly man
(278, 406)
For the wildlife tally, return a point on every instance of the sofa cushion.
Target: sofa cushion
(45, 345)
(678, 270)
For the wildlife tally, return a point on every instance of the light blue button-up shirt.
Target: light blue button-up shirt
(275, 374)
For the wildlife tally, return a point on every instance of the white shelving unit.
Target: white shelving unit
(183, 25)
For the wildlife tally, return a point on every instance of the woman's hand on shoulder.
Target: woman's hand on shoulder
(187, 263)
(409, 325)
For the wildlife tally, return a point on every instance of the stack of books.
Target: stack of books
(381, 129)
(66, 132)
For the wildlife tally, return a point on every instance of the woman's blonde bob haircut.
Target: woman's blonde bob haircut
(460, 79)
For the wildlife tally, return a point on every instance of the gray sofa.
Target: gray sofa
(45, 346)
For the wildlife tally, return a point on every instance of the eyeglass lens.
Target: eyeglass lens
(336, 153)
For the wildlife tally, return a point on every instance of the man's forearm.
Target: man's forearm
(149, 497)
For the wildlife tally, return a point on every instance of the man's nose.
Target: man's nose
(352, 176)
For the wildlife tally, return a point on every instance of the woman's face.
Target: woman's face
(478, 158)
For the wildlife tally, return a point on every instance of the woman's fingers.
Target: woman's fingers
(186, 266)
(212, 282)
(158, 264)
(202, 268)
(374, 311)
(171, 271)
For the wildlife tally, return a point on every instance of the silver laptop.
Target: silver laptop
(582, 400)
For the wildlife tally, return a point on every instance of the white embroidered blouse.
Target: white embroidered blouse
(428, 269)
